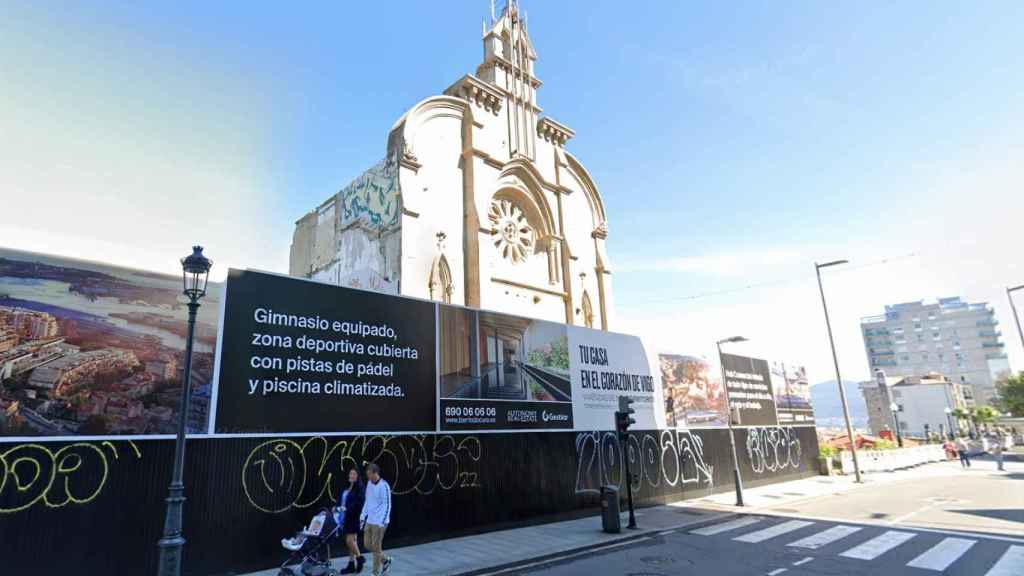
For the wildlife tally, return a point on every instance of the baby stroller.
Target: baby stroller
(312, 545)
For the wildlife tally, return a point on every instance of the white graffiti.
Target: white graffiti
(773, 449)
(674, 456)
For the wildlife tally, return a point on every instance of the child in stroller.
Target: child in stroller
(312, 545)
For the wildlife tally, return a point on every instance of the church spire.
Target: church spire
(508, 65)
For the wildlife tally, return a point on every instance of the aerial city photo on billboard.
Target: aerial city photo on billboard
(692, 391)
(93, 349)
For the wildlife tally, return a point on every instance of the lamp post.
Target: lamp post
(195, 274)
(732, 438)
(1013, 308)
(949, 418)
(895, 408)
(835, 360)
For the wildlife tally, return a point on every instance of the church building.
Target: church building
(477, 202)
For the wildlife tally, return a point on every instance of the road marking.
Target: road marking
(776, 571)
(878, 545)
(1010, 564)
(666, 532)
(915, 527)
(815, 541)
(773, 531)
(940, 556)
(803, 561)
(725, 526)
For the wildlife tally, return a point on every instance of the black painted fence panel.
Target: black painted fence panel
(90, 507)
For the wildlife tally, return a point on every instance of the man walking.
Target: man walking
(376, 516)
(961, 448)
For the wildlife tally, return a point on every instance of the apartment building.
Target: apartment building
(950, 337)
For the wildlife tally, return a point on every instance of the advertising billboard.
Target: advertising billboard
(692, 391)
(792, 393)
(301, 356)
(605, 366)
(748, 386)
(502, 372)
(94, 349)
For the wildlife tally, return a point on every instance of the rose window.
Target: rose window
(512, 231)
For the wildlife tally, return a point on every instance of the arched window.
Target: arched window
(441, 286)
(588, 311)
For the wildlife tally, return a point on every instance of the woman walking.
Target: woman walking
(351, 501)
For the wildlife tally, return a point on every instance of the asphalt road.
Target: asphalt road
(969, 523)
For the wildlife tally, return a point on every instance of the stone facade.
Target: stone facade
(476, 202)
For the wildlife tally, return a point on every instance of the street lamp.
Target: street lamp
(895, 408)
(835, 360)
(1013, 308)
(195, 270)
(732, 438)
(949, 418)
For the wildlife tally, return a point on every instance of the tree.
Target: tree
(1011, 394)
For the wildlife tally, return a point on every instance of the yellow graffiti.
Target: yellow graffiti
(33, 473)
(281, 474)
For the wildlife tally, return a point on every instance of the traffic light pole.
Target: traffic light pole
(629, 482)
(622, 423)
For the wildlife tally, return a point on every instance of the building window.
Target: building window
(588, 311)
(441, 285)
(513, 236)
(905, 358)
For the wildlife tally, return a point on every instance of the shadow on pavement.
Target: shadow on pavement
(1009, 514)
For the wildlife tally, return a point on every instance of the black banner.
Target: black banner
(748, 386)
(504, 415)
(300, 356)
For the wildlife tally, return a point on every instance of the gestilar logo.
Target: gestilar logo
(551, 416)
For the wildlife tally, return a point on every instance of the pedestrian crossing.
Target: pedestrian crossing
(931, 551)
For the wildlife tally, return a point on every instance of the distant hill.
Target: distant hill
(828, 410)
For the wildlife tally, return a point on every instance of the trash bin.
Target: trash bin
(610, 520)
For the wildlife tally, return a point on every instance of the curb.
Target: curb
(625, 539)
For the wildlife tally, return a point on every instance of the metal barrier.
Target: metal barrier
(889, 460)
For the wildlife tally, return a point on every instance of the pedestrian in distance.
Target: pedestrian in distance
(351, 504)
(376, 516)
(961, 448)
(997, 451)
(949, 449)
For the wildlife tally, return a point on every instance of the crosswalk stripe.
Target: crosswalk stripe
(815, 541)
(940, 556)
(1010, 564)
(878, 545)
(725, 526)
(772, 531)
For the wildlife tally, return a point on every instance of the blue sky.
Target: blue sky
(733, 144)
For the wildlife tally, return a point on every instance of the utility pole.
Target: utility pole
(1013, 308)
(835, 360)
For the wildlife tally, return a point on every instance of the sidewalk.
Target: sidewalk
(775, 495)
(488, 553)
(485, 553)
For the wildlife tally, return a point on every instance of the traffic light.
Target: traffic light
(623, 420)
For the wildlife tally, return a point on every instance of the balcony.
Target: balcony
(990, 322)
(882, 352)
(995, 356)
(877, 362)
(990, 333)
(992, 345)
